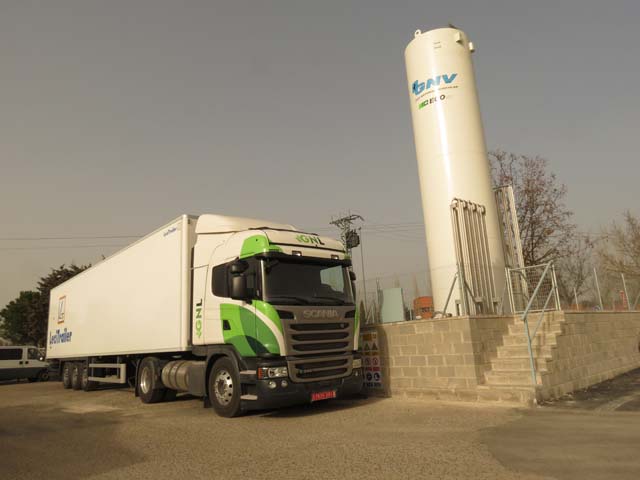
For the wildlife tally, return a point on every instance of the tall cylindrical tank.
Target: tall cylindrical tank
(451, 151)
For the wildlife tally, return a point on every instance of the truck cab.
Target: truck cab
(283, 301)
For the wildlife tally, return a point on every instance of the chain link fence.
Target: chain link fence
(533, 288)
(601, 289)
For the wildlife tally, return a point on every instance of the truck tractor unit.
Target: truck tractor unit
(245, 313)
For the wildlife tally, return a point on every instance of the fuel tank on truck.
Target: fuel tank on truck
(451, 152)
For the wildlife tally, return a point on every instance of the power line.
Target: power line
(80, 237)
(53, 247)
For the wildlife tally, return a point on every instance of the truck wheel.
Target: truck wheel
(224, 388)
(75, 376)
(66, 375)
(149, 384)
(86, 384)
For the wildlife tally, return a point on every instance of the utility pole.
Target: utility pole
(351, 239)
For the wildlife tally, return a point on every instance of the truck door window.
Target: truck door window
(33, 354)
(221, 279)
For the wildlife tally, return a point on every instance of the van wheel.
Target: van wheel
(43, 376)
(150, 386)
(224, 388)
(86, 384)
(75, 376)
(66, 375)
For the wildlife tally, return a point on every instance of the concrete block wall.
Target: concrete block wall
(592, 347)
(485, 358)
(442, 358)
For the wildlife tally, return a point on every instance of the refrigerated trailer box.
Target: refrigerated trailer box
(137, 301)
(245, 313)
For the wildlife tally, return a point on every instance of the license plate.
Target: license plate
(315, 396)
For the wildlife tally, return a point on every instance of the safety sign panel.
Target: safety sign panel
(371, 357)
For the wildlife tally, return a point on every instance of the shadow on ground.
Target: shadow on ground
(61, 443)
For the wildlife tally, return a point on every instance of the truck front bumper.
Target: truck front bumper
(300, 393)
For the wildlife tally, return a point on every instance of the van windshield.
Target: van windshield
(292, 282)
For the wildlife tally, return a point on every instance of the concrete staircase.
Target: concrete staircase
(511, 368)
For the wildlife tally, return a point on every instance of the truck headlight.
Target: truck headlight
(272, 372)
(357, 363)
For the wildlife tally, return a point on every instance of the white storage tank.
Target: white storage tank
(451, 151)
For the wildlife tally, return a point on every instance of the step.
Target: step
(522, 394)
(522, 364)
(512, 378)
(546, 327)
(522, 351)
(541, 338)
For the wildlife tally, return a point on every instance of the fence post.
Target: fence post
(626, 294)
(595, 275)
(555, 287)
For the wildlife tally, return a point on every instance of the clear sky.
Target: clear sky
(116, 116)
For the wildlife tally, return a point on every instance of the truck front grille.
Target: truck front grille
(318, 350)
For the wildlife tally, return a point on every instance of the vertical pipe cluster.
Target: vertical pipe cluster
(473, 258)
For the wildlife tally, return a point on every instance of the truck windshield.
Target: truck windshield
(290, 282)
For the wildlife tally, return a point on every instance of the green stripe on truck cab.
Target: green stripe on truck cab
(257, 244)
(246, 331)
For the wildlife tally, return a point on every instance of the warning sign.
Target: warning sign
(372, 370)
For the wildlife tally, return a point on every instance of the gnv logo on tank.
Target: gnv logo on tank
(59, 337)
(439, 82)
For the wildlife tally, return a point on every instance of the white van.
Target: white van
(23, 362)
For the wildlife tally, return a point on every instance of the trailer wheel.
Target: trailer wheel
(224, 388)
(66, 375)
(86, 384)
(150, 386)
(76, 381)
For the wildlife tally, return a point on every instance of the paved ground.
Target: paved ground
(48, 432)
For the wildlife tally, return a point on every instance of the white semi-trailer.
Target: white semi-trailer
(245, 313)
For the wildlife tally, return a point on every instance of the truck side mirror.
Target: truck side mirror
(238, 287)
(352, 276)
(238, 267)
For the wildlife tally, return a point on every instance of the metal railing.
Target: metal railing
(546, 287)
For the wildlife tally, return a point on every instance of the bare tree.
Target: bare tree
(545, 221)
(621, 252)
(574, 270)
(618, 253)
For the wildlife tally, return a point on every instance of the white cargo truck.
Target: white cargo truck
(247, 314)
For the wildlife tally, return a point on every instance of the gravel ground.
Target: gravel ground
(48, 432)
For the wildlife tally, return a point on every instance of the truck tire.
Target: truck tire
(150, 386)
(86, 384)
(75, 376)
(224, 388)
(66, 374)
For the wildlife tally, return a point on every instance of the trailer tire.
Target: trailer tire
(150, 386)
(86, 384)
(224, 388)
(76, 382)
(66, 374)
